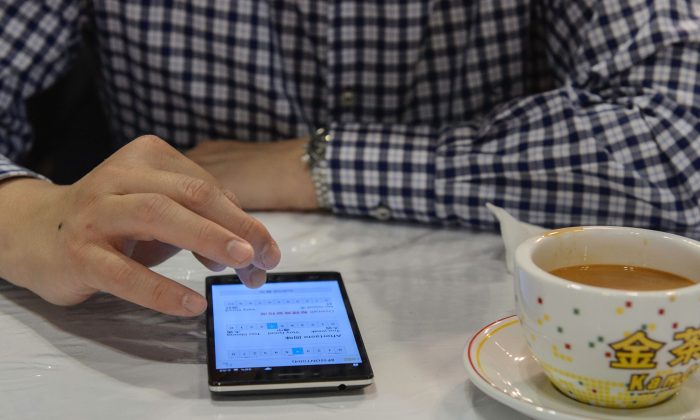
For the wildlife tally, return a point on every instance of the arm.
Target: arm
(616, 143)
(136, 209)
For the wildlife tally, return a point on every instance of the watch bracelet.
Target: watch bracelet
(315, 158)
(319, 175)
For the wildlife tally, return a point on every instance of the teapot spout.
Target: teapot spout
(513, 232)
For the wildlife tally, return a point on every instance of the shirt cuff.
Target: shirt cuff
(386, 171)
(10, 170)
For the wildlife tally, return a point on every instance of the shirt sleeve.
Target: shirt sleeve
(617, 142)
(38, 39)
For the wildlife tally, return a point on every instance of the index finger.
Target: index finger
(129, 280)
(209, 201)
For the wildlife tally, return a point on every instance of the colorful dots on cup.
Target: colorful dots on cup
(672, 298)
(628, 304)
(619, 311)
(560, 330)
(674, 325)
(539, 300)
(567, 346)
(662, 311)
(576, 311)
(608, 354)
(650, 327)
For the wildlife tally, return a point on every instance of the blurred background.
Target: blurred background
(71, 130)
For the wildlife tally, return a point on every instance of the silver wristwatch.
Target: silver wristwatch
(315, 158)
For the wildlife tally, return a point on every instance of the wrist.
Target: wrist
(303, 195)
(24, 209)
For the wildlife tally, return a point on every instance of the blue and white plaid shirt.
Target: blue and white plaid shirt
(565, 112)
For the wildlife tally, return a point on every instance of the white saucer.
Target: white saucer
(500, 364)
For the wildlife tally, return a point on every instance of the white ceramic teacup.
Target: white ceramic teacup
(603, 346)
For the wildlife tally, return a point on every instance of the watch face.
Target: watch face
(317, 146)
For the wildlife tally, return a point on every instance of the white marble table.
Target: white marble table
(418, 293)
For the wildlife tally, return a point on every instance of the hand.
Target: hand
(137, 208)
(264, 176)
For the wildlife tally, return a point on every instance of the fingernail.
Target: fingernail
(270, 255)
(194, 303)
(256, 279)
(217, 267)
(241, 252)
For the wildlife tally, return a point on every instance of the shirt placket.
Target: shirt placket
(344, 19)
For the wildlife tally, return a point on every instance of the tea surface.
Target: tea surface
(623, 277)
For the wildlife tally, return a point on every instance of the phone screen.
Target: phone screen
(296, 331)
(293, 323)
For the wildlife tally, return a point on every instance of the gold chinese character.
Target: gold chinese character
(689, 350)
(637, 351)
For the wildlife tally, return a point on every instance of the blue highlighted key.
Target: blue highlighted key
(298, 350)
(271, 325)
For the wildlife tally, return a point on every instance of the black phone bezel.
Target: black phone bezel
(285, 374)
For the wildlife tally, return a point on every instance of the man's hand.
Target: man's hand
(264, 176)
(137, 208)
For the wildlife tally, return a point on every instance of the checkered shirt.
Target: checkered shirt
(563, 112)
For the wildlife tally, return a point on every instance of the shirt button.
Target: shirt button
(381, 213)
(347, 98)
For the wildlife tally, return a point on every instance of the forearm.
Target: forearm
(584, 161)
(614, 143)
(264, 176)
(23, 210)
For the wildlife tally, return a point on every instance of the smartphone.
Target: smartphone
(295, 333)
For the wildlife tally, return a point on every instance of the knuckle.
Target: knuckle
(107, 178)
(152, 208)
(109, 172)
(198, 192)
(150, 140)
(249, 227)
(140, 148)
(159, 292)
(231, 196)
(123, 276)
(204, 232)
